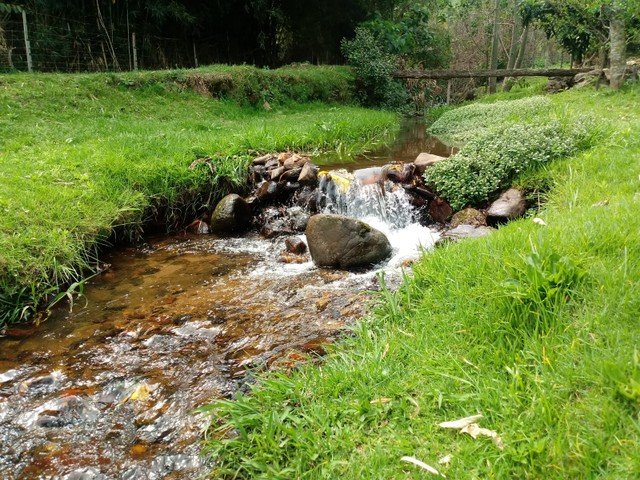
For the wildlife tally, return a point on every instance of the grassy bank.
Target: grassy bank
(535, 327)
(83, 154)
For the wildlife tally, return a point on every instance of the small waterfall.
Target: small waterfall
(386, 206)
(364, 194)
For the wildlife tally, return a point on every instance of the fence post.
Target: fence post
(195, 55)
(449, 92)
(135, 51)
(27, 44)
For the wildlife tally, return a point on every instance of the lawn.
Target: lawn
(87, 157)
(535, 327)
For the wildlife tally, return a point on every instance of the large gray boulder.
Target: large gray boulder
(231, 215)
(343, 242)
(511, 204)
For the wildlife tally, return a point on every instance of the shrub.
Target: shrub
(373, 67)
(457, 126)
(491, 161)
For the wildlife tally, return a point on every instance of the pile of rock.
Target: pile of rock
(288, 192)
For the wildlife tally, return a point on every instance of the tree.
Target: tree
(495, 40)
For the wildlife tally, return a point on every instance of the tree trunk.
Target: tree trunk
(523, 47)
(513, 50)
(493, 61)
(618, 53)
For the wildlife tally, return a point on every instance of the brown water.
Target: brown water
(108, 390)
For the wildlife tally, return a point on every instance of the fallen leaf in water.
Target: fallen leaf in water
(422, 465)
(461, 422)
(446, 460)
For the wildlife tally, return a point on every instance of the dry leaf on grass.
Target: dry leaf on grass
(469, 426)
(446, 460)
(476, 430)
(460, 423)
(422, 465)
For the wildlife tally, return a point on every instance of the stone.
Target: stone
(276, 172)
(198, 227)
(465, 231)
(343, 242)
(272, 163)
(231, 215)
(426, 160)
(291, 175)
(266, 191)
(308, 174)
(558, 84)
(295, 161)
(275, 228)
(262, 160)
(298, 218)
(440, 211)
(398, 173)
(511, 204)
(295, 245)
(469, 216)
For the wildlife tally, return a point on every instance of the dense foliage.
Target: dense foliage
(92, 35)
(507, 141)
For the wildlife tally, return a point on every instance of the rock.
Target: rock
(511, 204)
(307, 197)
(266, 191)
(272, 163)
(308, 175)
(558, 84)
(469, 216)
(291, 175)
(298, 218)
(275, 228)
(338, 241)
(295, 161)
(262, 160)
(465, 231)
(198, 227)
(398, 173)
(440, 211)
(276, 172)
(232, 214)
(295, 245)
(426, 160)
(291, 258)
(586, 78)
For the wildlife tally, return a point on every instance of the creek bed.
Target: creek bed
(109, 389)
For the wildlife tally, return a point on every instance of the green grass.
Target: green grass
(84, 156)
(535, 327)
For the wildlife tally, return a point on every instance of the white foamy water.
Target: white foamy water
(386, 207)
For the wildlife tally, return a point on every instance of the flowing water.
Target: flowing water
(109, 389)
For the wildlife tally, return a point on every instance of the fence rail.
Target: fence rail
(523, 72)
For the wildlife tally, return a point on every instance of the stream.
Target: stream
(108, 390)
